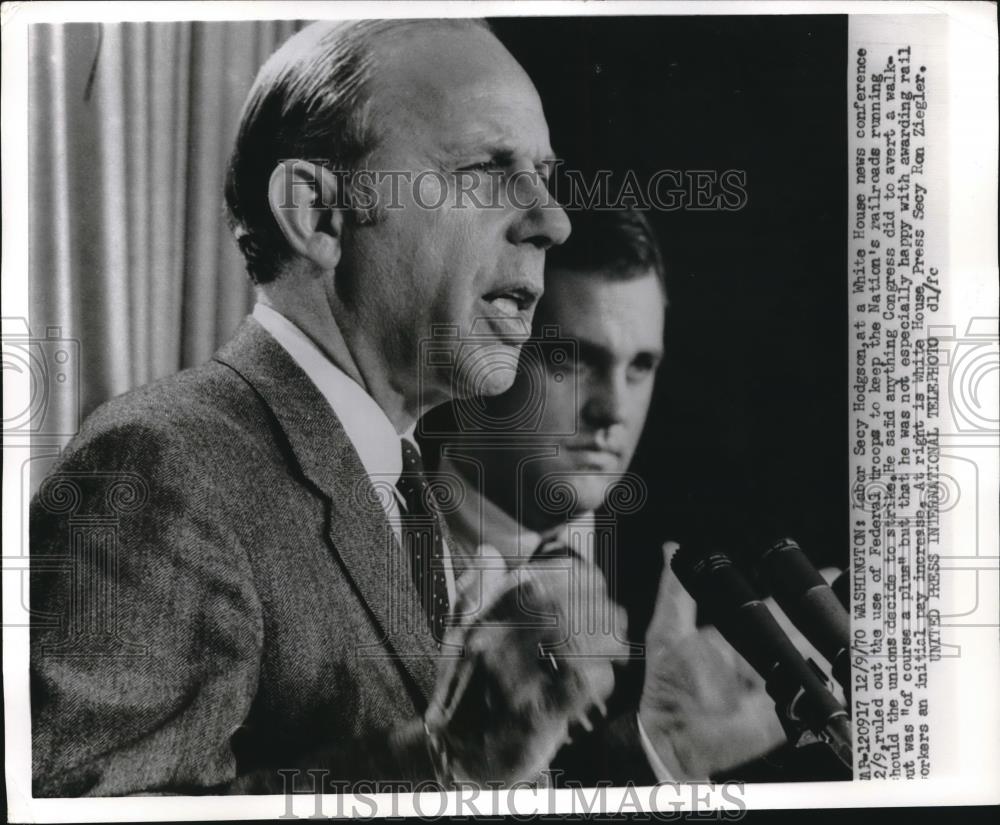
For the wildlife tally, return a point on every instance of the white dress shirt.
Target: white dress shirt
(367, 426)
(479, 521)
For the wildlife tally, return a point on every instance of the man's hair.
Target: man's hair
(310, 100)
(617, 244)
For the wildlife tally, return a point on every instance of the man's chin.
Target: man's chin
(591, 489)
(574, 492)
(488, 370)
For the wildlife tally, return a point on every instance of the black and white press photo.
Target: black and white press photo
(565, 410)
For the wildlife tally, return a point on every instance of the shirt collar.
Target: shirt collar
(478, 521)
(366, 425)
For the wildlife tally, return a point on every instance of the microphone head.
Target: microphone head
(712, 579)
(784, 567)
(806, 599)
(693, 563)
(731, 604)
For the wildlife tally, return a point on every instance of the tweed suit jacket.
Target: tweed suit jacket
(217, 595)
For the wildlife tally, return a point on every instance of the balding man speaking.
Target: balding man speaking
(274, 594)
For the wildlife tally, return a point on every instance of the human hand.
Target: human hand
(703, 708)
(527, 677)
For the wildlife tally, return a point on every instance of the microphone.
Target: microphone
(810, 603)
(802, 700)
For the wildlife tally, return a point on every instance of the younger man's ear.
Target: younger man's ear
(303, 198)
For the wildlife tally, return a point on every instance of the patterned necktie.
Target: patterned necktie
(423, 538)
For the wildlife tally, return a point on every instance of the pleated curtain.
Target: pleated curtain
(130, 128)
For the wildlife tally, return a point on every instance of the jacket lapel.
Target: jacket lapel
(357, 524)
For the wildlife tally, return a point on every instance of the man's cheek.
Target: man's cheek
(560, 416)
(635, 421)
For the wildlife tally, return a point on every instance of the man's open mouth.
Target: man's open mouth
(512, 301)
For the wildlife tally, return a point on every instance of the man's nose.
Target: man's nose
(541, 220)
(605, 405)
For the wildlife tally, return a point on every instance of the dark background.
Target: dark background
(748, 431)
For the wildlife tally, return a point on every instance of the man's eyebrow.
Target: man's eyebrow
(595, 353)
(461, 150)
(501, 151)
(656, 353)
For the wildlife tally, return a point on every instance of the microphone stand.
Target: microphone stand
(811, 717)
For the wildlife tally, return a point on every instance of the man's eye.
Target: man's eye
(641, 368)
(636, 373)
(482, 166)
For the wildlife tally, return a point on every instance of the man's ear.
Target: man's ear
(304, 202)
